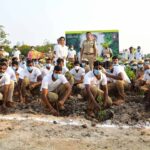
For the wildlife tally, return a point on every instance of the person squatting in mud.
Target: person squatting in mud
(55, 78)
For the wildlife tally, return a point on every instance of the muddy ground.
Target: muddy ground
(87, 134)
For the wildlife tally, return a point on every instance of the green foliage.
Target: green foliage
(69, 65)
(147, 56)
(102, 112)
(101, 59)
(24, 49)
(130, 73)
(3, 37)
(43, 48)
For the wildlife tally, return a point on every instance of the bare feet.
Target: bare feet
(118, 102)
(54, 112)
(61, 105)
(91, 113)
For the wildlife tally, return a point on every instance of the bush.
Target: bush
(130, 73)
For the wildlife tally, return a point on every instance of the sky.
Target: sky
(35, 21)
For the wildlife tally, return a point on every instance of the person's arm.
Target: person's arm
(88, 90)
(5, 95)
(19, 88)
(105, 89)
(45, 100)
(118, 77)
(39, 81)
(79, 81)
(95, 49)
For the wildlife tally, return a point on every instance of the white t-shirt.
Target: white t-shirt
(11, 73)
(138, 55)
(16, 53)
(125, 55)
(45, 71)
(131, 57)
(147, 76)
(23, 64)
(79, 74)
(119, 69)
(48, 83)
(71, 53)
(18, 71)
(92, 80)
(32, 76)
(61, 51)
(4, 80)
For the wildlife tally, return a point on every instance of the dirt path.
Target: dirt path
(31, 127)
(38, 135)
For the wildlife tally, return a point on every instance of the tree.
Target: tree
(3, 37)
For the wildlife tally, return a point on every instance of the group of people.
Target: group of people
(50, 78)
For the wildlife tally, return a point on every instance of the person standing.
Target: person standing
(138, 54)
(107, 54)
(131, 54)
(71, 54)
(88, 49)
(61, 50)
(16, 53)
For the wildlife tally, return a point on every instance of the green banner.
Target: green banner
(102, 37)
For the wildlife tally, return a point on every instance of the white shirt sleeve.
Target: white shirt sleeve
(7, 80)
(87, 80)
(63, 79)
(44, 83)
(21, 75)
(104, 80)
(83, 72)
(38, 72)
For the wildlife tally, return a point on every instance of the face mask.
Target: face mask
(146, 62)
(56, 76)
(1, 74)
(76, 67)
(48, 65)
(96, 72)
(115, 64)
(134, 67)
(83, 65)
(30, 68)
(140, 66)
(14, 68)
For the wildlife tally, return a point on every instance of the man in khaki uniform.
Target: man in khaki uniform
(88, 49)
